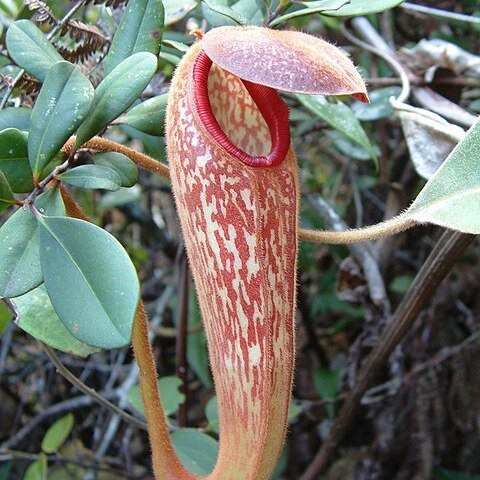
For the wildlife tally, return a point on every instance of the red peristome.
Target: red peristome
(362, 97)
(268, 101)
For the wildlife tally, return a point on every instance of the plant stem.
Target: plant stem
(76, 382)
(165, 461)
(389, 227)
(141, 159)
(438, 264)
(181, 343)
(387, 57)
(436, 12)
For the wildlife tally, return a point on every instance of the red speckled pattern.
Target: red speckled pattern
(240, 230)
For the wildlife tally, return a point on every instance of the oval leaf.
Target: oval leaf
(140, 30)
(19, 261)
(30, 48)
(57, 434)
(92, 176)
(14, 160)
(121, 164)
(340, 117)
(62, 104)
(117, 92)
(149, 116)
(197, 450)
(430, 138)
(37, 470)
(379, 106)
(355, 8)
(15, 117)
(20, 269)
(6, 194)
(36, 316)
(451, 198)
(90, 280)
(175, 10)
(310, 9)
(169, 393)
(6, 316)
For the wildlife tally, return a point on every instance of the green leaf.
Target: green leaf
(117, 92)
(340, 117)
(62, 104)
(30, 48)
(6, 316)
(197, 352)
(36, 316)
(57, 434)
(451, 198)
(327, 384)
(14, 160)
(37, 470)
(90, 280)
(219, 13)
(170, 58)
(197, 450)
(11, 8)
(20, 269)
(121, 164)
(120, 197)
(15, 117)
(140, 30)
(170, 394)
(310, 9)
(356, 8)
(92, 176)
(149, 116)
(230, 12)
(5, 468)
(444, 474)
(294, 411)
(379, 106)
(348, 147)
(211, 413)
(175, 10)
(401, 284)
(181, 47)
(19, 263)
(6, 194)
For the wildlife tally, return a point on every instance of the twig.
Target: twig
(7, 454)
(102, 144)
(438, 264)
(68, 375)
(61, 407)
(436, 12)
(164, 458)
(181, 344)
(420, 81)
(387, 57)
(5, 342)
(344, 235)
(391, 387)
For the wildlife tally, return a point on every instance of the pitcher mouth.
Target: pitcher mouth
(269, 103)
